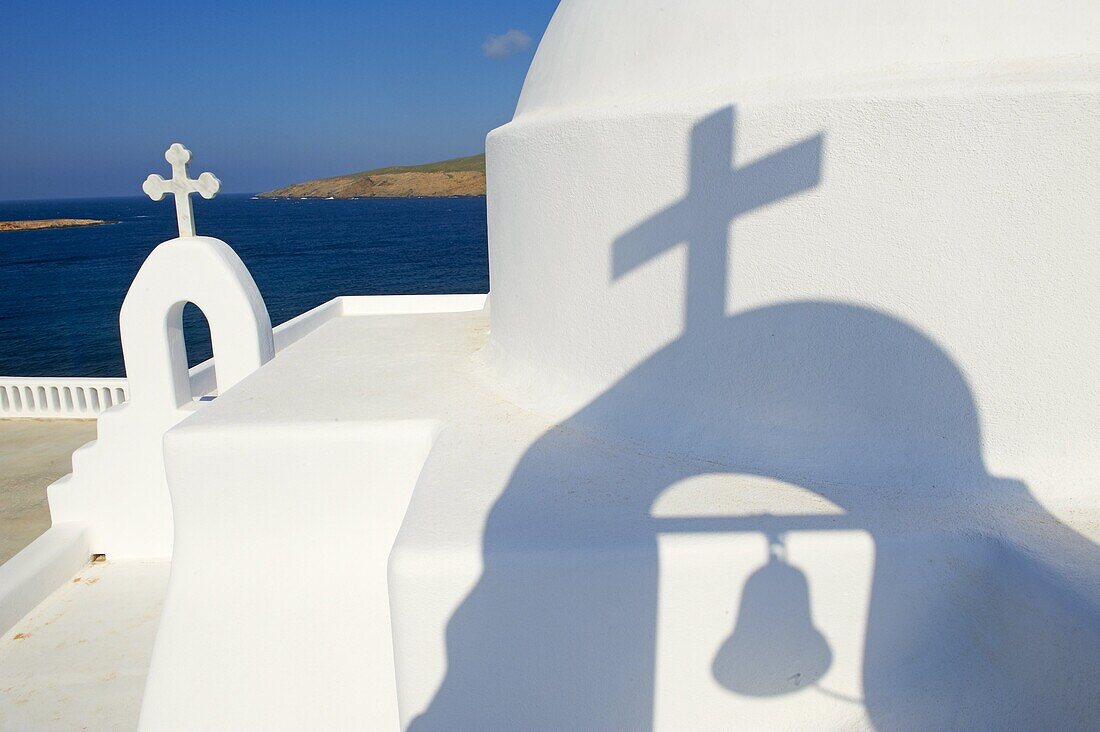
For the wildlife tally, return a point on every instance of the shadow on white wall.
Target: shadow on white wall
(963, 630)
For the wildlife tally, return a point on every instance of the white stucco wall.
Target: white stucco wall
(942, 170)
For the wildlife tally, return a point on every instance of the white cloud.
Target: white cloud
(506, 44)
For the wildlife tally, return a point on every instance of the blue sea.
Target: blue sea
(61, 289)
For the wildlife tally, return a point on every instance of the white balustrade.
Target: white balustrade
(44, 397)
(49, 398)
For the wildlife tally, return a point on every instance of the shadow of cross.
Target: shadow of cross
(717, 194)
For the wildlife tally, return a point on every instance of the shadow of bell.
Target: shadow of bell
(774, 648)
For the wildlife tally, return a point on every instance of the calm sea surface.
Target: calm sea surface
(61, 289)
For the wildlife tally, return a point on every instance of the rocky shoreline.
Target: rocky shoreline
(31, 225)
(457, 177)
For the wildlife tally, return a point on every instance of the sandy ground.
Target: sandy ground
(33, 454)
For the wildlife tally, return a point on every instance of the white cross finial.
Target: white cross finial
(180, 186)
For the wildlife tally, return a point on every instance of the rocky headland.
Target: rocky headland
(31, 225)
(456, 177)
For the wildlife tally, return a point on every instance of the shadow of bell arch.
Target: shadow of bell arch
(846, 402)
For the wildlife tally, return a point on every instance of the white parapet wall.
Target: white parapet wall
(50, 398)
(44, 397)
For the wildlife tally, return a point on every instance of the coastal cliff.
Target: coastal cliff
(456, 177)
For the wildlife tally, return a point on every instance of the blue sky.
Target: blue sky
(265, 94)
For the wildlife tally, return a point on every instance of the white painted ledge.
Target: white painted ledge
(410, 304)
(48, 562)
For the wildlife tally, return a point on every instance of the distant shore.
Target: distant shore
(48, 224)
(445, 179)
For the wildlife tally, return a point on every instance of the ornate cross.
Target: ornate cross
(181, 187)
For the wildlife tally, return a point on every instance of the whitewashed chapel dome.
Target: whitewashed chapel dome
(677, 170)
(623, 52)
